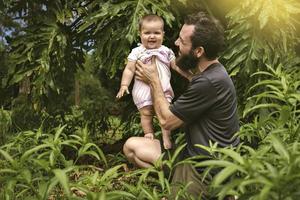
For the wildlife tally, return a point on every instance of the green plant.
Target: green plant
(36, 162)
(86, 146)
(259, 33)
(278, 103)
(5, 124)
(46, 52)
(269, 172)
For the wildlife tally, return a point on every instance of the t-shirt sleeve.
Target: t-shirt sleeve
(195, 101)
(134, 54)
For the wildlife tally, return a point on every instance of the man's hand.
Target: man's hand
(146, 73)
(122, 91)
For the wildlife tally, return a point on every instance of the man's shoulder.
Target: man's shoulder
(216, 72)
(215, 67)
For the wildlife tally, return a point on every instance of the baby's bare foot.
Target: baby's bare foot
(167, 144)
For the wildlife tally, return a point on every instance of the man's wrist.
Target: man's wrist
(154, 82)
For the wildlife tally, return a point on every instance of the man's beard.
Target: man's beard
(187, 61)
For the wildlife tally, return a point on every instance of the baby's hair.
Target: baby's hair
(149, 18)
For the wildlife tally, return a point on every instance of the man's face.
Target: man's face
(186, 58)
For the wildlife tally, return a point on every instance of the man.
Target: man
(207, 109)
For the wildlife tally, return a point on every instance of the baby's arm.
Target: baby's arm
(186, 74)
(127, 77)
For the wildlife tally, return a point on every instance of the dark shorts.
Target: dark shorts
(187, 183)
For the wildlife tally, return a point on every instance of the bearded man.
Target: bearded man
(207, 109)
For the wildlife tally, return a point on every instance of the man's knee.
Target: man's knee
(128, 147)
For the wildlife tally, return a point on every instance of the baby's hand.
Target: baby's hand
(149, 136)
(122, 90)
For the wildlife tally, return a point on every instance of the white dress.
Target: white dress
(141, 91)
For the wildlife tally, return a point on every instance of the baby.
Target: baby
(151, 29)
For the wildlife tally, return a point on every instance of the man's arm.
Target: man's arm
(166, 118)
(149, 74)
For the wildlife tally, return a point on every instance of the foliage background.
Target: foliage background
(62, 130)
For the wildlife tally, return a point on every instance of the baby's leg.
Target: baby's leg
(166, 134)
(146, 120)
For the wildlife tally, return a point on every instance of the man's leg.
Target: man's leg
(142, 151)
(186, 174)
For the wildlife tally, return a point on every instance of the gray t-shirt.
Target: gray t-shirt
(209, 110)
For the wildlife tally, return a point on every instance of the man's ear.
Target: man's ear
(199, 51)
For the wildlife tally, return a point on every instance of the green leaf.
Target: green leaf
(10, 185)
(266, 83)
(32, 151)
(223, 175)
(285, 113)
(91, 153)
(52, 158)
(95, 177)
(263, 17)
(118, 194)
(42, 189)
(232, 185)
(147, 192)
(63, 180)
(177, 152)
(84, 151)
(161, 178)
(260, 106)
(26, 174)
(10, 171)
(110, 174)
(265, 192)
(234, 72)
(236, 157)
(7, 157)
(44, 164)
(221, 163)
(58, 132)
(280, 148)
(17, 78)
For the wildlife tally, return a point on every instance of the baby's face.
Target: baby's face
(152, 34)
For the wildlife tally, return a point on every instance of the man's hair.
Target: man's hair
(208, 33)
(149, 18)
